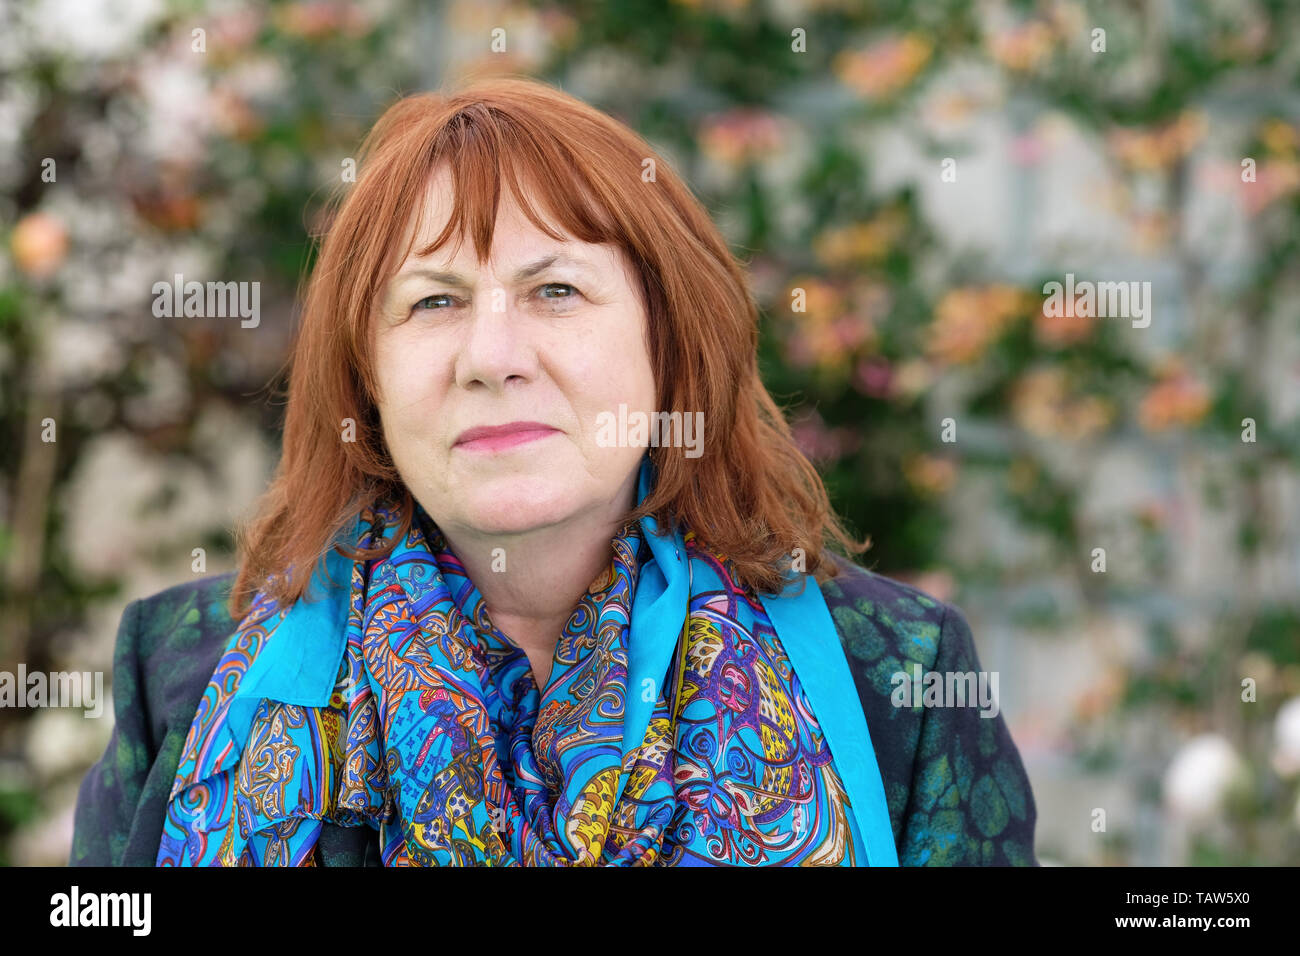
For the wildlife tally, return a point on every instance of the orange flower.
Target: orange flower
(1102, 696)
(169, 209)
(947, 109)
(234, 117)
(39, 244)
(930, 475)
(835, 324)
(1178, 399)
(1059, 330)
(311, 19)
(1021, 47)
(885, 67)
(1156, 148)
(968, 320)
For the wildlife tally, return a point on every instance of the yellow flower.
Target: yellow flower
(912, 377)
(859, 243)
(1279, 137)
(1086, 416)
(811, 336)
(820, 299)
(1042, 405)
(1151, 231)
(1034, 400)
(1022, 476)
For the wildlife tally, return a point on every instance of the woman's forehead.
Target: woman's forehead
(520, 227)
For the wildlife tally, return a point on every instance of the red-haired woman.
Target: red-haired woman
(542, 578)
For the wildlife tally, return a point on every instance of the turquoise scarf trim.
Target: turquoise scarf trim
(300, 666)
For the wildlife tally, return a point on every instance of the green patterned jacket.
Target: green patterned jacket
(957, 789)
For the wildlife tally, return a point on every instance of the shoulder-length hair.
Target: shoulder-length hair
(752, 495)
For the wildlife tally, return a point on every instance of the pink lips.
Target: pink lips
(497, 437)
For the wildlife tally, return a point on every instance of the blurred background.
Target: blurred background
(903, 178)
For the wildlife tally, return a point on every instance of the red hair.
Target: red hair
(752, 495)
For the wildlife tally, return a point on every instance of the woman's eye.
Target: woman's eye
(423, 303)
(432, 303)
(558, 285)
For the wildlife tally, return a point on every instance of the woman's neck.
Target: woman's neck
(532, 581)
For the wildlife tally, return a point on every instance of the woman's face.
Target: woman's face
(546, 332)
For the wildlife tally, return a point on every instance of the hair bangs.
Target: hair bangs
(484, 149)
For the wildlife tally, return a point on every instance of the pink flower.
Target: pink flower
(874, 377)
(740, 134)
(820, 443)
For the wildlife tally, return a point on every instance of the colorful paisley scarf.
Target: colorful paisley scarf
(436, 734)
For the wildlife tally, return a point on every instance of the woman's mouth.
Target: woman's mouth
(498, 438)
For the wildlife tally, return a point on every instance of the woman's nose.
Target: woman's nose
(494, 346)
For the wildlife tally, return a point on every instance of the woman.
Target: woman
(485, 616)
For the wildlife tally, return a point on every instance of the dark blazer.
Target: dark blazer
(954, 781)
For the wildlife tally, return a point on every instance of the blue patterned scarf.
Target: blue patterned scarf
(427, 725)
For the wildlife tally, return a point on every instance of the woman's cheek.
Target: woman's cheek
(416, 367)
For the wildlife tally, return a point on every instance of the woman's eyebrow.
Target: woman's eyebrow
(523, 273)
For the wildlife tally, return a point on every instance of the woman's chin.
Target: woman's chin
(511, 506)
